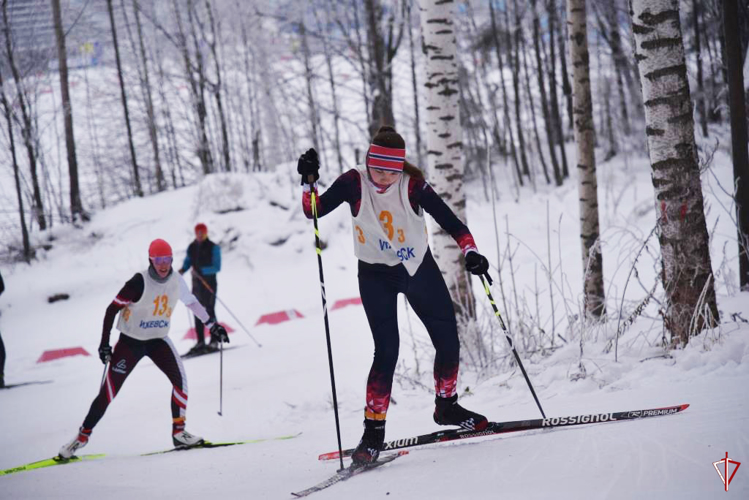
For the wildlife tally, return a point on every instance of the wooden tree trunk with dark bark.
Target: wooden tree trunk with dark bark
(8, 112)
(76, 206)
(137, 189)
(544, 99)
(27, 126)
(150, 113)
(740, 155)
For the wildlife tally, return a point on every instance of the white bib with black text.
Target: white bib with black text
(386, 229)
(150, 317)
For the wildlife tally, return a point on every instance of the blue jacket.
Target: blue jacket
(204, 256)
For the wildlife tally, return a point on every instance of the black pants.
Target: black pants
(207, 299)
(126, 355)
(2, 357)
(427, 293)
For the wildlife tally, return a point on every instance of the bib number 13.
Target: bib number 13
(161, 306)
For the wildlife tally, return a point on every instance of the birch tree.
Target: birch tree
(585, 136)
(444, 140)
(686, 273)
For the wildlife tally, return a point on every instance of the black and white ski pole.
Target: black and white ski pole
(221, 378)
(486, 282)
(104, 375)
(318, 247)
(226, 307)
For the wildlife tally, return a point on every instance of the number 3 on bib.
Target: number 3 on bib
(387, 222)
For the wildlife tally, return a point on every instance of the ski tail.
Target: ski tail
(495, 428)
(349, 472)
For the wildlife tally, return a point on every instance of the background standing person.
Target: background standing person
(2, 346)
(388, 198)
(145, 304)
(204, 256)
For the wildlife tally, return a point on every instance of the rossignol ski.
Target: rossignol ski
(515, 426)
(347, 473)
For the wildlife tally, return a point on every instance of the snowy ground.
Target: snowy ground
(283, 388)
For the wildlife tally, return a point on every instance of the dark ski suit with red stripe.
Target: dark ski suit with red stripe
(379, 285)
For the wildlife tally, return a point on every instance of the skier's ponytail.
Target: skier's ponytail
(413, 170)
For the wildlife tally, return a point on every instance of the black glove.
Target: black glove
(105, 353)
(476, 263)
(218, 333)
(309, 165)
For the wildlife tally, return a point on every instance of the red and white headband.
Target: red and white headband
(383, 158)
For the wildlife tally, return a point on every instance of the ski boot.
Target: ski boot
(78, 442)
(447, 411)
(184, 439)
(196, 350)
(371, 443)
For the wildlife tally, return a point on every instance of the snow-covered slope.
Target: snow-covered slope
(283, 388)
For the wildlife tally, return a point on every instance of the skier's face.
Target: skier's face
(162, 265)
(201, 235)
(384, 177)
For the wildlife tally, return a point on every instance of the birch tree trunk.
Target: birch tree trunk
(444, 141)
(687, 273)
(585, 136)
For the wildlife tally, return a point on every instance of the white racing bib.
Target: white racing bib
(386, 229)
(150, 317)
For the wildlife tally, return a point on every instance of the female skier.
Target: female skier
(145, 305)
(388, 198)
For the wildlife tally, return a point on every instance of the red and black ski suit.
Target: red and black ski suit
(129, 351)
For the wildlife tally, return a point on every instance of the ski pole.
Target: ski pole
(318, 248)
(221, 378)
(226, 307)
(486, 284)
(104, 375)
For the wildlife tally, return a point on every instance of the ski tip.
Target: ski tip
(329, 456)
(683, 407)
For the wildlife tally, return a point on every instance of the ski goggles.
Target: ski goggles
(160, 261)
(389, 159)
